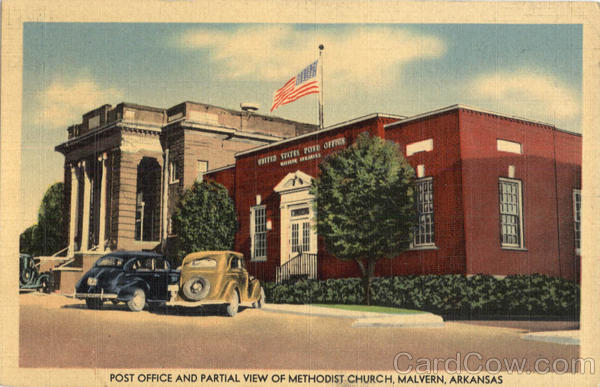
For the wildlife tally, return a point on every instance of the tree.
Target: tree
(48, 236)
(205, 219)
(26, 240)
(365, 204)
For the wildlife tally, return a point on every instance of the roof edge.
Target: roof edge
(219, 169)
(478, 110)
(324, 130)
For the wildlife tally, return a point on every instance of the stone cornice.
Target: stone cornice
(120, 124)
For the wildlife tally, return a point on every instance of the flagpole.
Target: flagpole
(321, 47)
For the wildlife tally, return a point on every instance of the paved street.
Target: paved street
(74, 336)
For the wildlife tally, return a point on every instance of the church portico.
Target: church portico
(87, 204)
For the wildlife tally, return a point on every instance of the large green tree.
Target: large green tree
(26, 245)
(48, 236)
(365, 204)
(205, 219)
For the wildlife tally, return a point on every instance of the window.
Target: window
(160, 264)
(295, 245)
(511, 219)
(173, 172)
(110, 262)
(258, 232)
(424, 233)
(147, 209)
(203, 262)
(300, 212)
(202, 167)
(577, 218)
(139, 216)
(306, 236)
(143, 264)
(236, 263)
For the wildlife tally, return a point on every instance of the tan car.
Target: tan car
(219, 277)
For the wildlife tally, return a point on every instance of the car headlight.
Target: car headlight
(92, 281)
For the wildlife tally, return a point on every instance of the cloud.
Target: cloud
(529, 92)
(64, 101)
(368, 57)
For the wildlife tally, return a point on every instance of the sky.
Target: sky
(532, 71)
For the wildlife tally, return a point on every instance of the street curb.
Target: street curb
(363, 319)
(556, 337)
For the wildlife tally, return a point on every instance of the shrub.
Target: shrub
(452, 295)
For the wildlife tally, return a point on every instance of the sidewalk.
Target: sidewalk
(362, 319)
(559, 337)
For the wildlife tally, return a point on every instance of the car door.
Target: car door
(143, 268)
(160, 279)
(240, 275)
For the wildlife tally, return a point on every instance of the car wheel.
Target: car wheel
(234, 302)
(93, 303)
(196, 288)
(115, 301)
(138, 301)
(261, 299)
(45, 285)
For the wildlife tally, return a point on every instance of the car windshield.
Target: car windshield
(110, 262)
(203, 262)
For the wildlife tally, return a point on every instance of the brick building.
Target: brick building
(497, 195)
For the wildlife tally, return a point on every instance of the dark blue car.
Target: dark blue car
(133, 277)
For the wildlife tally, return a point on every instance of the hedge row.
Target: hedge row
(451, 295)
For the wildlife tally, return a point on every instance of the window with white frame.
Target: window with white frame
(577, 218)
(511, 213)
(258, 232)
(306, 236)
(295, 237)
(202, 167)
(172, 172)
(424, 232)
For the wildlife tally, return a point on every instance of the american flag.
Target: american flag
(304, 83)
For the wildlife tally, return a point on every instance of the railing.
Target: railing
(303, 265)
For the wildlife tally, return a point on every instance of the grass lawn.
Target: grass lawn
(372, 308)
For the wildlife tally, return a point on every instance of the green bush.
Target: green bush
(204, 219)
(453, 295)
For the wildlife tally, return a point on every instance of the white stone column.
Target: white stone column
(164, 208)
(74, 209)
(103, 188)
(85, 228)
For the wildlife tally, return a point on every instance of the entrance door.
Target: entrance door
(300, 231)
(297, 216)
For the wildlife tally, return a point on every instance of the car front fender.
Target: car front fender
(254, 290)
(228, 288)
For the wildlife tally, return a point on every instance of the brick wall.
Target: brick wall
(547, 209)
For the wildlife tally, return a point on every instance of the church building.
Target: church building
(126, 165)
